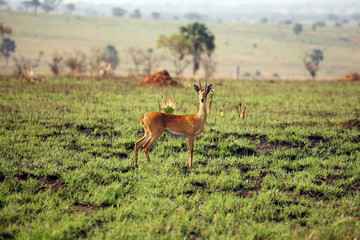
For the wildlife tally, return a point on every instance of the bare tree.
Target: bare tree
(2, 3)
(150, 60)
(7, 45)
(76, 62)
(99, 67)
(55, 65)
(136, 56)
(136, 14)
(26, 68)
(143, 59)
(118, 12)
(35, 4)
(70, 7)
(208, 64)
(155, 15)
(50, 5)
(179, 47)
(312, 62)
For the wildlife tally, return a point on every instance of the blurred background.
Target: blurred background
(258, 39)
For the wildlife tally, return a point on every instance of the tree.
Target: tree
(202, 40)
(35, 4)
(7, 47)
(145, 58)
(155, 15)
(118, 12)
(76, 63)
(332, 17)
(70, 7)
(297, 29)
(193, 16)
(26, 4)
(287, 22)
(55, 65)
(150, 59)
(135, 54)
(179, 48)
(26, 68)
(264, 20)
(136, 14)
(320, 24)
(2, 3)
(312, 61)
(4, 30)
(338, 24)
(313, 27)
(356, 16)
(50, 5)
(209, 65)
(110, 56)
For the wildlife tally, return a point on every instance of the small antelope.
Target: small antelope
(179, 125)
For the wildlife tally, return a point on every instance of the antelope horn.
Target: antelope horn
(205, 86)
(200, 84)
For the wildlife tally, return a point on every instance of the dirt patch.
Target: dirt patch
(352, 123)
(45, 182)
(86, 130)
(50, 181)
(316, 140)
(249, 193)
(21, 177)
(266, 147)
(351, 77)
(329, 180)
(354, 187)
(159, 79)
(86, 208)
(2, 177)
(263, 145)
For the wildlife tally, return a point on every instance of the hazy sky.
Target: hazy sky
(223, 2)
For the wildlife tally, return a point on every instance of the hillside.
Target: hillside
(268, 48)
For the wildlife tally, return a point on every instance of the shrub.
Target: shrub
(55, 65)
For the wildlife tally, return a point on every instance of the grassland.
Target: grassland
(277, 49)
(289, 170)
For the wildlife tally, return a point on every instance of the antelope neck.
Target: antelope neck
(202, 111)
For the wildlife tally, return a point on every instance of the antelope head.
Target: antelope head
(203, 92)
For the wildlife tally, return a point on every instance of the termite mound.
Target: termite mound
(159, 79)
(351, 77)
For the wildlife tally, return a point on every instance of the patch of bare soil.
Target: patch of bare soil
(45, 182)
(329, 180)
(86, 208)
(351, 77)
(50, 181)
(352, 123)
(159, 79)
(2, 177)
(266, 147)
(263, 145)
(355, 187)
(21, 177)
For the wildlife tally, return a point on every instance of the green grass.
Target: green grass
(278, 49)
(289, 170)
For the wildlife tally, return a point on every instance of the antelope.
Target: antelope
(178, 125)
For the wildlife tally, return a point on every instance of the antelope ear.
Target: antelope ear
(208, 89)
(196, 88)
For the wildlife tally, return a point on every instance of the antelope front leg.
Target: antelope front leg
(191, 146)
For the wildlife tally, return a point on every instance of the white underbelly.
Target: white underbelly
(198, 132)
(179, 134)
